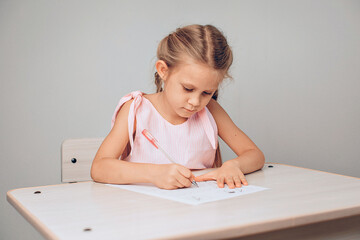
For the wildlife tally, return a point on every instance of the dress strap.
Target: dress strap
(137, 96)
(211, 133)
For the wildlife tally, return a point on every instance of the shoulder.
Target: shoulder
(222, 119)
(212, 105)
(125, 102)
(126, 105)
(123, 107)
(123, 112)
(153, 98)
(215, 109)
(150, 96)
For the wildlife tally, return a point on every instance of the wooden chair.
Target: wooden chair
(76, 158)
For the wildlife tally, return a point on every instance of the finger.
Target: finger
(184, 171)
(230, 182)
(172, 184)
(243, 179)
(170, 187)
(220, 182)
(237, 182)
(175, 183)
(183, 181)
(206, 177)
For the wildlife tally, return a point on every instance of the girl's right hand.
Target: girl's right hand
(171, 176)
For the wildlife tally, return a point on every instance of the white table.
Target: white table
(300, 204)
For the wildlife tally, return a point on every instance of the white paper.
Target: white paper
(206, 192)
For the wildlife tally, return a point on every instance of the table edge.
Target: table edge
(266, 226)
(32, 219)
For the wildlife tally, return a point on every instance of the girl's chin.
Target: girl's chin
(185, 114)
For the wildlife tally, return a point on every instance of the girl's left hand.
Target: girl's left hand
(228, 173)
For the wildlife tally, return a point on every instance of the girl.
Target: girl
(183, 116)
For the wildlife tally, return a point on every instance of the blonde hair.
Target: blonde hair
(204, 44)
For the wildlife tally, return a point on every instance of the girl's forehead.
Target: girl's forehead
(198, 74)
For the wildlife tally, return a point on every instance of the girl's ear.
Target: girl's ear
(162, 69)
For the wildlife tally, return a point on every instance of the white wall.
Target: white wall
(65, 64)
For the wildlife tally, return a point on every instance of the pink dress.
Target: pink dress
(192, 143)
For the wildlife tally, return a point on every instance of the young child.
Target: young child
(184, 117)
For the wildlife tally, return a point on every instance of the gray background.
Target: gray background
(65, 64)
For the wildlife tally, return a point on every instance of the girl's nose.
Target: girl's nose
(194, 101)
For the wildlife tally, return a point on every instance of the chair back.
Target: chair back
(76, 158)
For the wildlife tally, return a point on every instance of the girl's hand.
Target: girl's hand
(228, 173)
(171, 176)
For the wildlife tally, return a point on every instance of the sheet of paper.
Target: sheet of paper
(206, 192)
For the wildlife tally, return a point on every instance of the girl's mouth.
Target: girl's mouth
(190, 111)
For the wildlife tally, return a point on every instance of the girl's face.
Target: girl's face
(189, 87)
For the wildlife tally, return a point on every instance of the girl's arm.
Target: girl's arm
(250, 158)
(107, 168)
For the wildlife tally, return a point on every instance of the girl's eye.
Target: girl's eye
(207, 93)
(187, 89)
